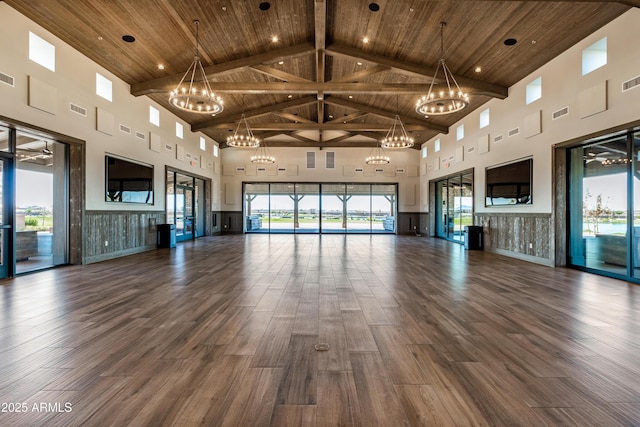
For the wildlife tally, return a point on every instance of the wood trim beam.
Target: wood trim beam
(320, 18)
(314, 88)
(278, 74)
(348, 127)
(473, 86)
(167, 84)
(328, 144)
(632, 3)
(356, 77)
(384, 113)
(292, 117)
(349, 118)
(267, 109)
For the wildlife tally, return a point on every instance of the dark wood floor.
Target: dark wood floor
(222, 331)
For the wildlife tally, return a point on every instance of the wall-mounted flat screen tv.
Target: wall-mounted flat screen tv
(128, 181)
(509, 184)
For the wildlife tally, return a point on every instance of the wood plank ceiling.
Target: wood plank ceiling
(320, 83)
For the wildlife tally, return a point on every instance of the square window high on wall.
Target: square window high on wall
(534, 90)
(154, 116)
(104, 87)
(594, 57)
(484, 118)
(42, 52)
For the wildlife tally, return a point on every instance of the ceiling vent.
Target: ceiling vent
(125, 129)
(140, 135)
(7, 79)
(78, 109)
(561, 112)
(498, 138)
(514, 132)
(311, 160)
(630, 84)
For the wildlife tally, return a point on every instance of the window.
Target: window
(154, 116)
(534, 90)
(484, 118)
(104, 87)
(216, 150)
(594, 57)
(203, 144)
(179, 130)
(436, 145)
(459, 132)
(424, 152)
(42, 52)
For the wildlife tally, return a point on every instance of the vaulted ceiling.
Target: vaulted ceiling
(320, 83)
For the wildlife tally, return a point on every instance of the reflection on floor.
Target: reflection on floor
(34, 263)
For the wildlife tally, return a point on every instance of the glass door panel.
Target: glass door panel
(179, 214)
(604, 205)
(5, 229)
(282, 209)
(441, 209)
(308, 208)
(358, 208)
(41, 203)
(466, 200)
(171, 208)
(635, 246)
(334, 208)
(454, 228)
(256, 208)
(383, 208)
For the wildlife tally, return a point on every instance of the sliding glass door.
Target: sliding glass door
(320, 208)
(604, 206)
(454, 206)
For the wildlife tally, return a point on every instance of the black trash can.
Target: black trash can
(166, 235)
(473, 237)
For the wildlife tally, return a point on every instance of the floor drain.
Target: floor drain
(322, 347)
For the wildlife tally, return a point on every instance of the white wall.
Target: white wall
(74, 82)
(562, 85)
(346, 161)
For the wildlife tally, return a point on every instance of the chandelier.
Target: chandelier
(397, 136)
(193, 93)
(377, 156)
(262, 155)
(445, 101)
(243, 136)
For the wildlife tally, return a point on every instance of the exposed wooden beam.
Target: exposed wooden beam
(328, 144)
(320, 20)
(476, 87)
(632, 3)
(167, 84)
(384, 113)
(374, 127)
(278, 74)
(356, 77)
(314, 88)
(349, 118)
(267, 109)
(299, 137)
(292, 117)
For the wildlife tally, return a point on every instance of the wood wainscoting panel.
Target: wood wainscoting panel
(111, 234)
(528, 236)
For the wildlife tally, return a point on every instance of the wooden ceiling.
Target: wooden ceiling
(320, 84)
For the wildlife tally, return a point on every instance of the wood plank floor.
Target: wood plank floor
(221, 332)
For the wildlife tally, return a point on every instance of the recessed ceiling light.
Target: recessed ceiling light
(534, 41)
(128, 38)
(374, 7)
(280, 62)
(478, 69)
(331, 116)
(265, 5)
(365, 40)
(411, 9)
(224, 8)
(289, 96)
(350, 96)
(160, 67)
(359, 63)
(274, 39)
(100, 38)
(510, 42)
